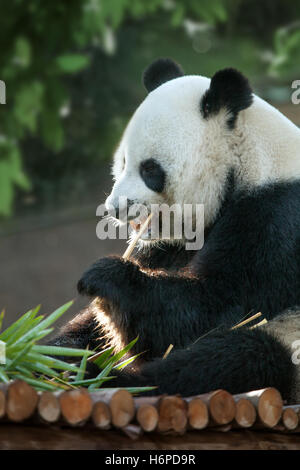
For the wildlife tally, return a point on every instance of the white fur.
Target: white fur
(196, 153)
(286, 328)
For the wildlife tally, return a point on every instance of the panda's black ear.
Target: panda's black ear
(228, 89)
(159, 72)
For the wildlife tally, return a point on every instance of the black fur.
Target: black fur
(153, 175)
(228, 89)
(236, 361)
(159, 72)
(250, 262)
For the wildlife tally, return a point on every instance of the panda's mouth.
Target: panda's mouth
(152, 231)
(136, 225)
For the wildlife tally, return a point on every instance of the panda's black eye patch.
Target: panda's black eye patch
(153, 175)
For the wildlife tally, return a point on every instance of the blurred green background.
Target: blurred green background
(73, 78)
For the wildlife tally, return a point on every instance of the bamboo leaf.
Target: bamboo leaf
(3, 376)
(46, 323)
(60, 351)
(81, 374)
(125, 363)
(103, 373)
(87, 382)
(121, 353)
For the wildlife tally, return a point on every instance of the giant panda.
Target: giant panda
(209, 141)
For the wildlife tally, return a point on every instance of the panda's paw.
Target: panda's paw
(109, 278)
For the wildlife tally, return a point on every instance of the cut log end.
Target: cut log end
(48, 407)
(2, 403)
(222, 407)
(290, 419)
(147, 417)
(101, 415)
(270, 407)
(245, 414)
(21, 401)
(172, 415)
(76, 406)
(198, 414)
(122, 408)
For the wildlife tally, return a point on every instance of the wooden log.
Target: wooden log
(268, 404)
(198, 415)
(2, 403)
(133, 431)
(147, 416)
(245, 414)
(172, 415)
(18, 437)
(121, 405)
(101, 415)
(21, 400)
(76, 406)
(290, 418)
(221, 406)
(48, 408)
(296, 408)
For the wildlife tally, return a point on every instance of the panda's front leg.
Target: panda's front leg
(160, 308)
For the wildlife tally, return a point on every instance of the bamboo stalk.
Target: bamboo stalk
(268, 404)
(169, 349)
(261, 323)
(248, 320)
(136, 238)
(48, 407)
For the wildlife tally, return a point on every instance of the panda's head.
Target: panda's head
(190, 134)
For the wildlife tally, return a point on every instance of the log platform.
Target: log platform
(114, 419)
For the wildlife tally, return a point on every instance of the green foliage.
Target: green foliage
(41, 43)
(37, 364)
(286, 52)
(48, 48)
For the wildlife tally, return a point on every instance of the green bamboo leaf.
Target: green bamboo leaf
(12, 328)
(14, 348)
(52, 362)
(1, 318)
(36, 383)
(61, 351)
(132, 390)
(19, 356)
(125, 363)
(81, 374)
(121, 353)
(87, 382)
(46, 323)
(101, 359)
(104, 373)
(23, 370)
(40, 367)
(24, 328)
(3, 376)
